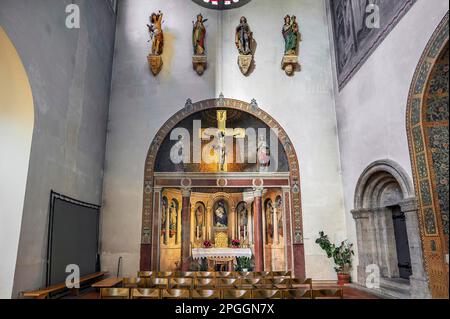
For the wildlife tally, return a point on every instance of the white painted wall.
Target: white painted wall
(302, 104)
(16, 132)
(371, 109)
(141, 103)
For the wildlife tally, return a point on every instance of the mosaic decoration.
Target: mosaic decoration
(354, 39)
(427, 128)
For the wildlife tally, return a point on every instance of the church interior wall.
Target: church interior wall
(140, 104)
(371, 108)
(70, 75)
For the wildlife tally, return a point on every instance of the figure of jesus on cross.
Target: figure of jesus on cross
(222, 133)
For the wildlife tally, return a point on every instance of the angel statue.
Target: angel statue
(244, 37)
(156, 33)
(291, 35)
(198, 36)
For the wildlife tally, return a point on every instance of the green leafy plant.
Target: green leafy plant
(244, 263)
(342, 254)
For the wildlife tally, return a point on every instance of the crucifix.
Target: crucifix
(221, 133)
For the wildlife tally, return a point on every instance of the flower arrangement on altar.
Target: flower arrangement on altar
(235, 243)
(207, 244)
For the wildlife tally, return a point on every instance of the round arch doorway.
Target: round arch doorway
(16, 132)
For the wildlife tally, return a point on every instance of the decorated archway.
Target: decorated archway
(427, 128)
(288, 182)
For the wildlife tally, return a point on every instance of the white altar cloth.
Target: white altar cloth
(199, 253)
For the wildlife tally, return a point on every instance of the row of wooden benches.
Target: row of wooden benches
(213, 274)
(206, 283)
(155, 293)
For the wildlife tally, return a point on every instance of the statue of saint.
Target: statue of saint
(263, 152)
(291, 35)
(269, 221)
(198, 36)
(244, 37)
(164, 218)
(199, 218)
(173, 212)
(220, 215)
(243, 219)
(156, 33)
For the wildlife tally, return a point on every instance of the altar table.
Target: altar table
(199, 253)
(221, 256)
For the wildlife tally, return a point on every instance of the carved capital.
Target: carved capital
(186, 192)
(360, 213)
(258, 191)
(409, 205)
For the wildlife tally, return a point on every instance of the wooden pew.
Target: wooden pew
(107, 283)
(45, 292)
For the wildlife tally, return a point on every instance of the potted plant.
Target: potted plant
(243, 264)
(342, 256)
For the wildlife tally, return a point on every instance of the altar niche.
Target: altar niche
(220, 217)
(221, 203)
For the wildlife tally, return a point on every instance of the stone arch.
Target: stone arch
(148, 227)
(387, 230)
(16, 133)
(374, 180)
(434, 239)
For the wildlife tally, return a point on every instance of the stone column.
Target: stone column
(287, 216)
(185, 229)
(418, 281)
(249, 223)
(258, 231)
(275, 240)
(361, 217)
(156, 248)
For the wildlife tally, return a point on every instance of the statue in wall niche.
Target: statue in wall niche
(173, 215)
(199, 59)
(157, 40)
(243, 220)
(199, 221)
(164, 219)
(244, 42)
(291, 35)
(269, 209)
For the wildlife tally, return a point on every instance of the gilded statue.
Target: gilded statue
(199, 59)
(156, 33)
(199, 35)
(292, 37)
(244, 37)
(157, 39)
(243, 41)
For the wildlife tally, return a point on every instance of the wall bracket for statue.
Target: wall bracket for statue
(292, 38)
(155, 60)
(245, 45)
(199, 59)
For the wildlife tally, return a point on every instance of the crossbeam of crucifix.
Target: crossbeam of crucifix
(221, 133)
